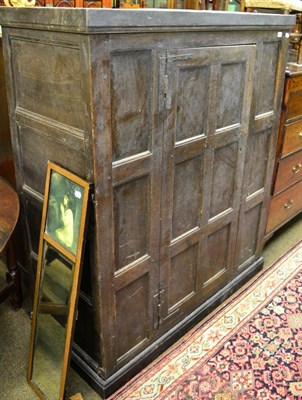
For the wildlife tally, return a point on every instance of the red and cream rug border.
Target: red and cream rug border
(202, 341)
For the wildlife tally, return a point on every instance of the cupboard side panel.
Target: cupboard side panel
(46, 76)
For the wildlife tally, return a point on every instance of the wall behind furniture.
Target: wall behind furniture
(6, 158)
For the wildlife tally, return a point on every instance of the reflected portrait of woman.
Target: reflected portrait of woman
(64, 212)
(65, 233)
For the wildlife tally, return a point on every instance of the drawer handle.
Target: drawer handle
(300, 135)
(296, 168)
(288, 205)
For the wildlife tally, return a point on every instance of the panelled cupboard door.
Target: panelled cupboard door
(260, 152)
(208, 102)
(136, 186)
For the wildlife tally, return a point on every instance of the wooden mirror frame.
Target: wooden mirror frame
(74, 259)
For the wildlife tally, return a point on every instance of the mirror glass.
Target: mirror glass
(57, 281)
(51, 321)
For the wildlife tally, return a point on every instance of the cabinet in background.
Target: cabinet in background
(286, 200)
(6, 156)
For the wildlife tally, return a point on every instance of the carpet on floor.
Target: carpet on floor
(249, 348)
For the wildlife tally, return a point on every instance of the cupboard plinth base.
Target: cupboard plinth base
(106, 387)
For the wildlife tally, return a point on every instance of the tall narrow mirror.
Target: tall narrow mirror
(57, 281)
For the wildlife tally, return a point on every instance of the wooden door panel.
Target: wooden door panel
(183, 270)
(230, 93)
(134, 195)
(186, 209)
(131, 112)
(224, 174)
(209, 96)
(258, 145)
(267, 78)
(217, 255)
(132, 221)
(132, 305)
(260, 153)
(192, 115)
(249, 234)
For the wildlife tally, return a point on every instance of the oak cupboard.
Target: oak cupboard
(173, 115)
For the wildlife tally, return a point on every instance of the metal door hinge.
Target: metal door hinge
(158, 307)
(160, 304)
(166, 84)
(167, 92)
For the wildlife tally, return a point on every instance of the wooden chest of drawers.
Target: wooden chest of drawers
(286, 199)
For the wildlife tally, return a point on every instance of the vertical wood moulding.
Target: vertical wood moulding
(103, 273)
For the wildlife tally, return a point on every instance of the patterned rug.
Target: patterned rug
(249, 348)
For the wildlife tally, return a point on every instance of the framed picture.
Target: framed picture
(57, 280)
(64, 210)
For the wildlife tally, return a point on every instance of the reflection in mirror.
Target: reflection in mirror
(64, 211)
(51, 322)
